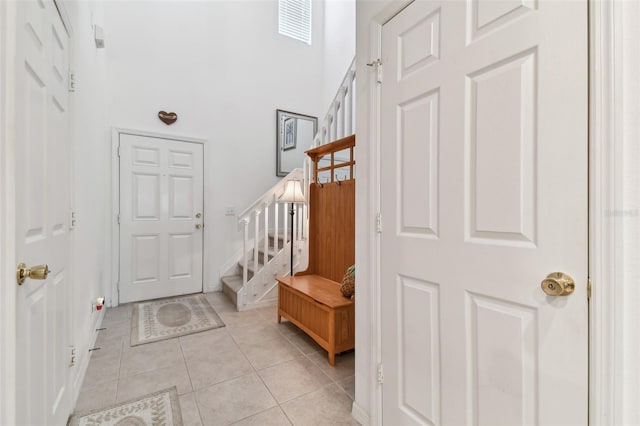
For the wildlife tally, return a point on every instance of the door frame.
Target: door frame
(8, 291)
(611, 394)
(114, 299)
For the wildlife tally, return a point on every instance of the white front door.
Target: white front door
(161, 217)
(483, 194)
(42, 206)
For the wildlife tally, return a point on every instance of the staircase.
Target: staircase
(250, 283)
(232, 284)
(266, 252)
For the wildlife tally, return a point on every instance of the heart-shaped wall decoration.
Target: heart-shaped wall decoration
(168, 118)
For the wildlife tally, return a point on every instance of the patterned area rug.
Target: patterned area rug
(157, 409)
(176, 316)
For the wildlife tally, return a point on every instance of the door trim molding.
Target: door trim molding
(372, 134)
(8, 261)
(614, 367)
(611, 396)
(114, 298)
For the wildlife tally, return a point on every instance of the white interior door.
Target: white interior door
(42, 205)
(161, 217)
(484, 193)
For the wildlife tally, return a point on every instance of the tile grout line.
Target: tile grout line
(193, 391)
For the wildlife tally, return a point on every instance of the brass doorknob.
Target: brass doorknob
(39, 272)
(198, 225)
(558, 284)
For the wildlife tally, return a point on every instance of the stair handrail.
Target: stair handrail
(269, 196)
(339, 121)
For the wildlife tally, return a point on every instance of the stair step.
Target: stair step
(230, 286)
(234, 282)
(250, 269)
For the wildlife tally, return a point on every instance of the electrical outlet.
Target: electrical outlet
(230, 211)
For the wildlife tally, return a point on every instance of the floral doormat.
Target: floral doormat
(167, 318)
(157, 409)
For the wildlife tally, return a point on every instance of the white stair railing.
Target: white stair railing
(340, 119)
(258, 232)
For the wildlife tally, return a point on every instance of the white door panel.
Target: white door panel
(42, 202)
(161, 192)
(484, 193)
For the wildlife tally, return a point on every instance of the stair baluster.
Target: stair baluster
(265, 257)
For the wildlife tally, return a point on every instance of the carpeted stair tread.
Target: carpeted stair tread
(234, 282)
(250, 269)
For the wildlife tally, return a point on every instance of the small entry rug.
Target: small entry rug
(167, 318)
(157, 409)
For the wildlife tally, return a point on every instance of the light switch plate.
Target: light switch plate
(230, 211)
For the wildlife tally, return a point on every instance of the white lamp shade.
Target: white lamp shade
(293, 193)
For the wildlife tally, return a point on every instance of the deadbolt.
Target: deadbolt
(558, 284)
(198, 215)
(39, 272)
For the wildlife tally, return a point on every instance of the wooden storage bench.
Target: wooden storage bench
(316, 306)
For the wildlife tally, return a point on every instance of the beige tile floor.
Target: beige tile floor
(251, 372)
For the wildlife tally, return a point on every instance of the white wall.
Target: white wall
(224, 69)
(339, 45)
(91, 185)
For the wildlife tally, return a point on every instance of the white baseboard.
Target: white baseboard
(84, 365)
(359, 414)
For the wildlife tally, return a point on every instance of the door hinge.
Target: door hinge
(72, 356)
(118, 218)
(72, 81)
(72, 219)
(378, 66)
(379, 223)
(588, 288)
(380, 374)
(118, 151)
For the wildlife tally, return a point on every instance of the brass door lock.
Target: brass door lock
(39, 272)
(558, 284)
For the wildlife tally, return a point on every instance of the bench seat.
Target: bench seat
(315, 305)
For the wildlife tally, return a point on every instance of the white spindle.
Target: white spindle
(285, 215)
(256, 242)
(333, 129)
(265, 260)
(300, 221)
(353, 102)
(348, 110)
(341, 112)
(275, 237)
(245, 259)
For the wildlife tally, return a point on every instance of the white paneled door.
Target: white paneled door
(161, 217)
(42, 204)
(483, 194)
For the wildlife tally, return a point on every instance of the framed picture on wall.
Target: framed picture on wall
(290, 127)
